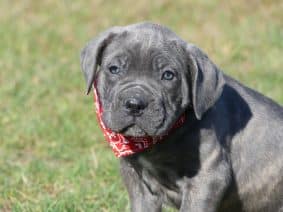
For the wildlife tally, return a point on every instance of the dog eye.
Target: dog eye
(168, 75)
(114, 69)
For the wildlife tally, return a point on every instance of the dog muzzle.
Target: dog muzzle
(127, 145)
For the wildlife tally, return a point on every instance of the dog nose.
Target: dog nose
(135, 105)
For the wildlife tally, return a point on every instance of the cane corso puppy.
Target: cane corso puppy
(226, 156)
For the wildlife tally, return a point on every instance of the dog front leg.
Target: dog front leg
(141, 199)
(204, 192)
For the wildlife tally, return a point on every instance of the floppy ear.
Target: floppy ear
(92, 52)
(206, 80)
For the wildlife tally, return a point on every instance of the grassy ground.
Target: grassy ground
(52, 154)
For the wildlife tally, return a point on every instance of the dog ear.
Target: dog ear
(92, 52)
(206, 80)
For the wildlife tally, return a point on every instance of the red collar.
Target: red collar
(128, 145)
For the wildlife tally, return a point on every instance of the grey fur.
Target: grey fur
(228, 154)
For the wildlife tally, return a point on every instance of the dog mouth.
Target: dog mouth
(144, 127)
(150, 123)
(134, 130)
(137, 128)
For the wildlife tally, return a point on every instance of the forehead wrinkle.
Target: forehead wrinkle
(153, 40)
(148, 42)
(147, 37)
(144, 47)
(119, 56)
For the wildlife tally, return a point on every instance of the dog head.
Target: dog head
(146, 77)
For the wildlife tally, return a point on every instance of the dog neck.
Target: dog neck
(128, 145)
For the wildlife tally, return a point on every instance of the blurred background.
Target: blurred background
(52, 153)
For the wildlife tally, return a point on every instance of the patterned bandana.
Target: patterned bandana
(127, 145)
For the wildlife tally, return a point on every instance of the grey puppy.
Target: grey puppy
(227, 156)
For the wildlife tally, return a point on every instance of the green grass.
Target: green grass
(52, 153)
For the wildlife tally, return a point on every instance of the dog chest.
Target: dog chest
(161, 180)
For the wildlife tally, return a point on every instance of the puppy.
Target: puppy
(226, 155)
